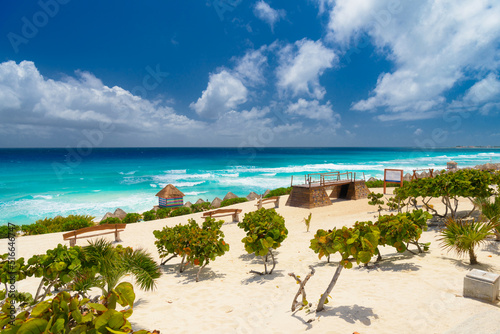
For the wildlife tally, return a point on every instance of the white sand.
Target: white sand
(404, 293)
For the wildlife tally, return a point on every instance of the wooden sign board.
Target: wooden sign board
(393, 176)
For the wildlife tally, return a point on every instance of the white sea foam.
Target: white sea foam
(152, 185)
(305, 168)
(43, 196)
(128, 173)
(195, 193)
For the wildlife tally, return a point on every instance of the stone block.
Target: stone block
(482, 285)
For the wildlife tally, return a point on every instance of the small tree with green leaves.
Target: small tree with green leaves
(265, 230)
(375, 199)
(491, 211)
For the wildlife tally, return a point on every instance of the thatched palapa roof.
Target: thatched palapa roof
(170, 192)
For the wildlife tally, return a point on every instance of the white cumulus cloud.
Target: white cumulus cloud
(224, 92)
(301, 65)
(267, 14)
(313, 110)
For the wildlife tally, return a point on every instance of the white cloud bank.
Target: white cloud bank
(32, 105)
(434, 44)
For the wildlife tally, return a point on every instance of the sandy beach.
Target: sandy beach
(404, 293)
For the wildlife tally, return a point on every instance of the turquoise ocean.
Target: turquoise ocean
(39, 183)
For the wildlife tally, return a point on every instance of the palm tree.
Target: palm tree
(491, 211)
(463, 237)
(111, 264)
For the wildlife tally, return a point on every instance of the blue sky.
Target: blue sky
(249, 73)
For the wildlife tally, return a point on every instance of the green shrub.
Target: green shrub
(205, 206)
(75, 223)
(265, 230)
(110, 220)
(4, 230)
(163, 213)
(34, 229)
(180, 211)
(232, 201)
(279, 192)
(149, 215)
(380, 184)
(131, 218)
(57, 224)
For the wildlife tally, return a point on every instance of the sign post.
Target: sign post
(393, 176)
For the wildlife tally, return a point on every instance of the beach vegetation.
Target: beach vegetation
(73, 314)
(265, 231)
(181, 211)
(205, 206)
(34, 229)
(196, 245)
(149, 215)
(105, 266)
(490, 210)
(375, 199)
(463, 236)
(380, 184)
(467, 183)
(6, 231)
(307, 221)
(162, 213)
(110, 220)
(231, 201)
(71, 222)
(279, 192)
(131, 218)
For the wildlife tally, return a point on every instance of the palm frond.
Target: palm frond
(143, 267)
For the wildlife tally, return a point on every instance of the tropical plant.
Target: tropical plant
(131, 218)
(114, 263)
(375, 199)
(181, 211)
(149, 215)
(162, 213)
(195, 245)
(110, 220)
(464, 236)
(76, 223)
(71, 222)
(491, 211)
(231, 201)
(468, 183)
(279, 192)
(380, 184)
(265, 230)
(34, 229)
(205, 206)
(72, 314)
(360, 243)
(307, 221)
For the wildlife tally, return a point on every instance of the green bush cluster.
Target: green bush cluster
(232, 201)
(100, 265)
(181, 211)
(205, 206)
(131, 218)
(196, 245)
(279, 192)
(380, 184)
(110, 220)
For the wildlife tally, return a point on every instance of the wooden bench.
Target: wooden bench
(224, 212)
(262, 201)
(108, 228)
